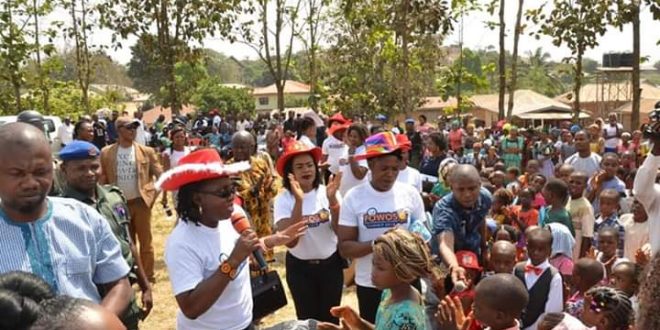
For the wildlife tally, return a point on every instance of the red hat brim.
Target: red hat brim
(184, 174)
(338, 127)
(284, 159)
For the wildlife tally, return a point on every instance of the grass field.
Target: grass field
(163, 315)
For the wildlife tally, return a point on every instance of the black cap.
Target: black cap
(31, 117)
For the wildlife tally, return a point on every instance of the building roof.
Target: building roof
(436, 103)
(645, 106)
(150, 116)
(290, 87)
(599, 92)
(525, 101)
(237, 86)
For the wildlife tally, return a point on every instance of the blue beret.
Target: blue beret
(79, 150)
(410, 120)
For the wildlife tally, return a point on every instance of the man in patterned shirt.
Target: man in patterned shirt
(63, 241)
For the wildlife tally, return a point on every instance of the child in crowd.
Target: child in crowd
(536, 185)
(531, 169)
(497, 179)
(625, 277)
(587, 273)
(564, 172)
(555, 193)
(636, 230)
(605, 179)
(526, 215)
(609, 205)
(506, 233)
(607, 309)
(582, 214)
(512, 183)
(503, 257)
(562, 250)
(469, 261)
(399, 258)
(608, 241)
(501, 210)
(543, 282)
(488, 307)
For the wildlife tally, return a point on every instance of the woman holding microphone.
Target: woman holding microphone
(313, 265)
(206, 257)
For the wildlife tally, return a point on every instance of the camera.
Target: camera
(652, 129)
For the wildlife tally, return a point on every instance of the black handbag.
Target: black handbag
(267, 294)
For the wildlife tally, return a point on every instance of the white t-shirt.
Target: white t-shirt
(127, 179)
(348, 180)
(613, 142)
(175, 155)
(242, 125)
(335, 149)
(141, 134)
(636, 235)
(320, 241)
(374, 212)
(588, 165)
(65, 133)
(307, 141)
(194, 253)
(412, 177)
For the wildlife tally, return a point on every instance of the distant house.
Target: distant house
(529, 107)
(645, 107)
(265, 98)
(600, 99)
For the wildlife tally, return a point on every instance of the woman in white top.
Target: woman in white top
(206, 257)
(172, 155)
(313, 265)
(407, 174)
(372, 208)
(354, 171)
(307, 132)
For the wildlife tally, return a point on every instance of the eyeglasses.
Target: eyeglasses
(226, 193)
(130, 127)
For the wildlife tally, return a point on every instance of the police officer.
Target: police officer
(81, 169)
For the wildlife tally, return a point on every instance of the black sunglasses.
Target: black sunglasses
(226, 193)
(131, 127)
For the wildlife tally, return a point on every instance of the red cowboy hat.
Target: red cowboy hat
(295, 149)
(338, 117)
(403, 142)
(337, 126)
(197, 166)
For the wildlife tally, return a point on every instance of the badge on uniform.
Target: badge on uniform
(120, 209)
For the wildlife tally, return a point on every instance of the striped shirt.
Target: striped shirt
(71, 247)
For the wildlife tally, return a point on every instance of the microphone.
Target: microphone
(241, 224)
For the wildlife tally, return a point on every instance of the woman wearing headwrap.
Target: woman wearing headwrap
(562, 250)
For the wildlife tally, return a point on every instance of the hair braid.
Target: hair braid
(615, 304)
(406, 252)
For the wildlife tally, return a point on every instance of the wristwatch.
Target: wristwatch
(228, 270)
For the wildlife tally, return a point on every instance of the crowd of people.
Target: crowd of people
(445, 225)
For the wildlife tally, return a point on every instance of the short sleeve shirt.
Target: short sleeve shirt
(405, 314)
(194, 253)
(449, 215)
(374, 212)
(334, 149)
(320, 241)
(71, 247)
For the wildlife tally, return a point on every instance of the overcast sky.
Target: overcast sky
(476, 35)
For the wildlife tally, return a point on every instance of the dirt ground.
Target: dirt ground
(163, 315)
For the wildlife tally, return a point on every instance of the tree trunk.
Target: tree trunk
(405, 62)
(37, 51)
(578, 85)
(16, 83)
(514, 61)
(86, 77)
(502, 65)
(636, 92)
(280, 96)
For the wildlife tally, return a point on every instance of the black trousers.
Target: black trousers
(315, 285)
(369, 299)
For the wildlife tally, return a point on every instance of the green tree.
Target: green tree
(144, 68)
(656, 65)
(314, 17)
(178, 24)
(268, 38)
(577, 25)
(211, 95)
(384, 54)
(15, 48)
